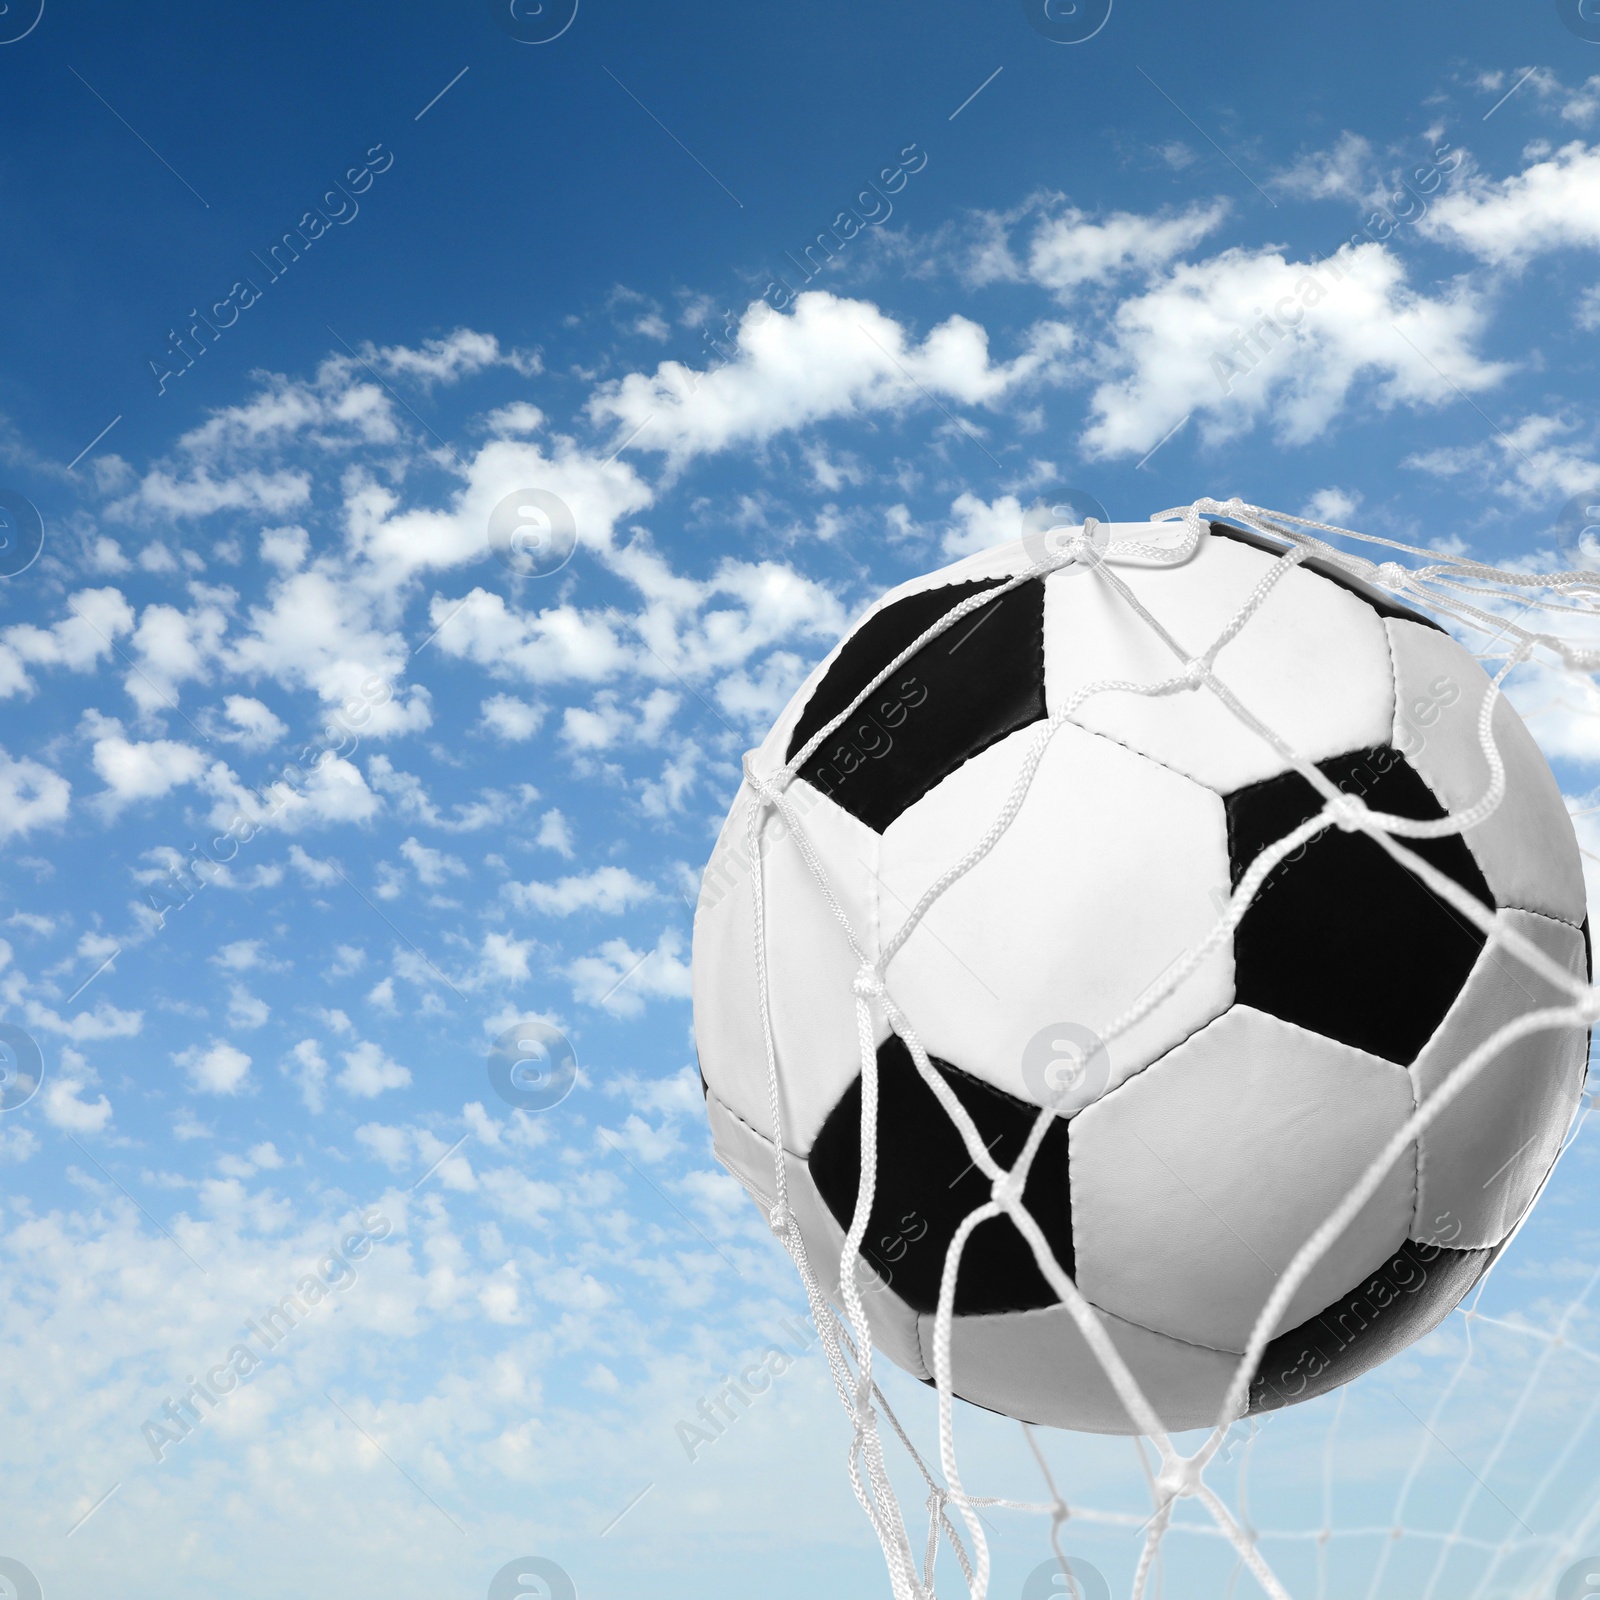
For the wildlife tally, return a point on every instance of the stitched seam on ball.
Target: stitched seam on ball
(1036, 1311)
(1548, 916)
(749, 1127)
(1128, 1322)
(1144, 755)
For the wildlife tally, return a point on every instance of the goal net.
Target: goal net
(1479, 1476)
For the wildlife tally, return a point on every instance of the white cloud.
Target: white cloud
(512, 719)
(320, 873)
(368, 1072)
(391, 881)
(348, 959)
(1248, 336)
(1534, 460)
(246, 1010)
(500, 1298)
(335, 792)
(457, 355)
(106, 1021)
(1332, 505)
(755, 697)
(106, 556)
(156, 557)
(1069, 252)
(165, 495)
(392, 1146)
(519, 417)
(286, 547)
(138, 770)
(828, 357)
(94, 948)
(18, 1143)
(1346, 172)
(338, 407)
(607, 722)
(257, 726)
(242, 955)
(307, 1066)
(619, 978)
(492, 808)
(663, 795)
(647, 1143)
(64, 1105)
(555, 833)
(172, 646)
(1580, 105)
(608, 890)
(392, 543)
(559, 643)
(1551, 205)
(32, 795)
(505, 959)
(678, 1096)
(95, 620)
(220, 1070)
(981, 523)
(431, 866)
(318, 633)
(689, 628)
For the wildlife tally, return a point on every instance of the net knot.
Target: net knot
(1194, 672)
(780, 1219)
(1180, 1477)
(868, 985)
(1391, 575)
(1006, 1190)
(776, 784)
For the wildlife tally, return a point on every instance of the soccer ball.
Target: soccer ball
(1192, 1156)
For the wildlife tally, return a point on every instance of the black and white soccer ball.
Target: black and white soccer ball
(1192, 1157)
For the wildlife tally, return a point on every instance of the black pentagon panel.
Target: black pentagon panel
(1410, 1295)
(974, 684)
(1384, 604)
(1341, 938)
(927, 1184)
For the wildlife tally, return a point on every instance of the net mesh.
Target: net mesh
(1205, 1499)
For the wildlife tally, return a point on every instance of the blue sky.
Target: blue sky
(534, 265)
